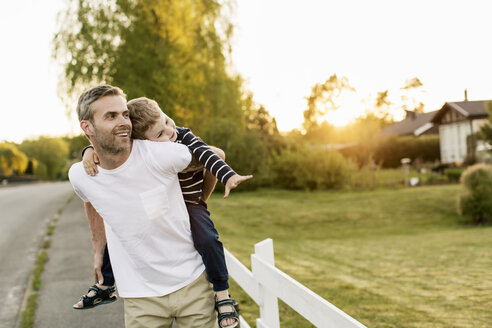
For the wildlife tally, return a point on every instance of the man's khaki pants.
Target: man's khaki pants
(192, 306)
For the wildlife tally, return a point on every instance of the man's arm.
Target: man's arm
(96, 224)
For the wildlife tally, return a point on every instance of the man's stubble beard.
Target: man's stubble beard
(108, 143)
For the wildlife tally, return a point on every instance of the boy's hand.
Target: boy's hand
(234, 181)
(90, 160)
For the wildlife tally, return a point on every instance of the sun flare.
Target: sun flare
(351, 107)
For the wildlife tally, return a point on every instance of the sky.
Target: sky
(281, 48)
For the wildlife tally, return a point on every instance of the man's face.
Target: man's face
(111, 126)
(163, 130)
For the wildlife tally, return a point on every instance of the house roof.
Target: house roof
(469, 109)
(413, 124)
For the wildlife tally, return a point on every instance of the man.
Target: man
(159, 273)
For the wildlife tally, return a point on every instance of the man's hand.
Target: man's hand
(234, 181)
(89, 161)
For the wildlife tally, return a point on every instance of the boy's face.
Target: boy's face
(163, 130)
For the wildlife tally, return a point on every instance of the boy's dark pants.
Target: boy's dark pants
(206, 240)
(106, 269)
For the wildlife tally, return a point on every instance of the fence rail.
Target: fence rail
(265, 284)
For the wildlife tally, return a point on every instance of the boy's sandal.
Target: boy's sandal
(227, 315)
(101, 296)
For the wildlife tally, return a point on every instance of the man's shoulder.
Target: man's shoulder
(167, 156)
(147, 145)
(76, 168)
(76, 172)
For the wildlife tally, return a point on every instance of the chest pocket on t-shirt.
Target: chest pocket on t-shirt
(155, 202)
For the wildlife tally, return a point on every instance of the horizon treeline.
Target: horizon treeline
(177, 52)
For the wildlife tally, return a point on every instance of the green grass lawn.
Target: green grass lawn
(388, 258)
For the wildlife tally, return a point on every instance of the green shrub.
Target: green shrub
(246, 152)
(388, 151)
(364, 178)
(370, 178)
(12, 161)
(41, 171)
(475, 203)
(453, 174)
(310, 168)
(52, 152)
(432, 178)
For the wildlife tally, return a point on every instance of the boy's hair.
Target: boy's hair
(85, 111)
(144, 113)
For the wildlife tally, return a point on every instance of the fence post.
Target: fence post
(269, 315)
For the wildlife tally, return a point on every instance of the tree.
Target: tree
(323, 133)
(256, 117)
(382, 108)
(173, 51)
(32, 166)
(324, 97)
(50, 152)
(361, 137)
(12, 160)
(75, 145)
(412, 89)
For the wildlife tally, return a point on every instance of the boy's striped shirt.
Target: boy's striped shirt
(191, 182)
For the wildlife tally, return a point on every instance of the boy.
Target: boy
(150, 123)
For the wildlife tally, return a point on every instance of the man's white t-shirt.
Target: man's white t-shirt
(145, 218)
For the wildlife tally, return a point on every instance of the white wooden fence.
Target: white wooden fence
(265, 284)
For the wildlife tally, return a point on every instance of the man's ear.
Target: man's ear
(87, 127)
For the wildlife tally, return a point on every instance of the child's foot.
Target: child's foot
(227, 314)
(97, 295)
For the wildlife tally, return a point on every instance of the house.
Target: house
(456, 121)
(414, 124)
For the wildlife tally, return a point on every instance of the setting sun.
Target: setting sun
(350, 108)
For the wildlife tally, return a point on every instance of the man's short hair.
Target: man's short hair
(144, 113)
(84, 108)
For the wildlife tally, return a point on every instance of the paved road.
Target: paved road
(68, 274)
(24, 213)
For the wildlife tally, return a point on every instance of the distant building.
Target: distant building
(456, 121)
(414, 124)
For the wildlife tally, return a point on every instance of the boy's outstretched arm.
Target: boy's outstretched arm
(209, 180)
(210, 160)
(234, 181)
